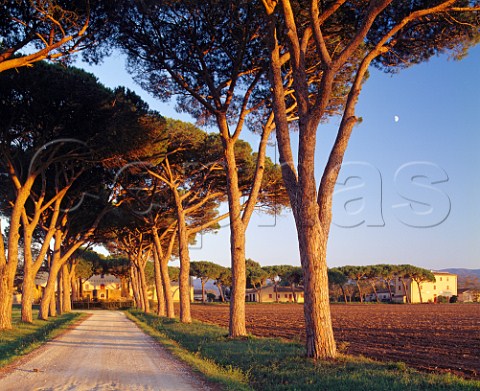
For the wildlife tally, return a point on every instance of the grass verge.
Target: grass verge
(25, 337)
(274, 364)
(228, 377)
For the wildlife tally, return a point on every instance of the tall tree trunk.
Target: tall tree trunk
(344, 294)
(237, 326)
(80, 287)
(144, 288)
(220, 291)
(360, 293)
(48, 303)
(60, 292)
(375, 291)
(184, 277)
(9, 262)
(28, 289)
(407, 296)
(160, 310)
(203, 290)
(389, 289)
(74, 285)
(420, 291)
(320, 342)
(135, 290)
(6, 298)
(292, 289)
(164, 258)
(66, 298)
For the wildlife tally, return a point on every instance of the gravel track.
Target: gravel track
(105, 352)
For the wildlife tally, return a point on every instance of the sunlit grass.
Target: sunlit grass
(25, 337)
(274, 364)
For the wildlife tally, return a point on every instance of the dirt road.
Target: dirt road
(105, 352)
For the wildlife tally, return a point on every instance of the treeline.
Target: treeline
(98, 166)
(373, 277)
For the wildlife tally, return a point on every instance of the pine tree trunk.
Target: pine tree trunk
(167, 289)
(237, 326)
(47, 305)
(9, 262)
(28, 289)
(407, 297)
(220, 291)
(133, 281)
(66, 298)
(320, 342)
(420, 291)
(60, 292)
(184, 277)
(6, 298)
(74, 286)
(144, 289)
(389, 290)
(203, 290)
(160, 310)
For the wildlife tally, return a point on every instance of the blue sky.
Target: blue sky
(423, 122)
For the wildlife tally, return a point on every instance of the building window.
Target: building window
(448, 288)
(286, 296)
(270, 296)
(102, 286)
(399, 287)
(440, 278)
(290, 296)
(434, 287)
(447, 278)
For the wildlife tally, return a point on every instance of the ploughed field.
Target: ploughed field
(431, 337)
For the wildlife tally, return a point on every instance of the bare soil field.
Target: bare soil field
(429, 337)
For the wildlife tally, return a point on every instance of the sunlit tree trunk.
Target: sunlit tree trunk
(184, 277)
(160, 310)
(237, 327)
(66, 298)
(8, 263)
(164, 258)
(48, 303)
(60, 291)
(133, 281)
(144, 288)
(28, 289)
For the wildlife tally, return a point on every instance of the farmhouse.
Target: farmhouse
(469, 295)
(445, 285)
(383, 296)
(267, 294)
(105, 287)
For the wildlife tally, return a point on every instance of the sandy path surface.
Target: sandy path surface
(105, 352)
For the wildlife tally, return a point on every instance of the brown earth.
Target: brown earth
(430, 337)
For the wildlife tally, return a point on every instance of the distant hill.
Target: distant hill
(467, 278)
(463, 272)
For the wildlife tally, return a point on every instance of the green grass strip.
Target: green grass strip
(274, 364)
(25, 337)
(227, 377)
